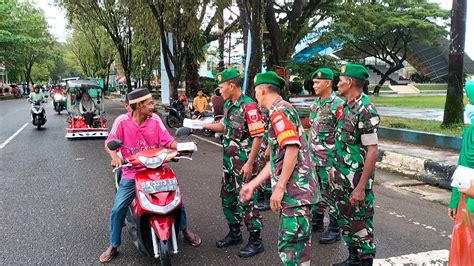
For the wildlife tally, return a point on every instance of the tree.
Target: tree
(24, 37)
(289, 22)
(114, 16)
(190, 35)
(387, 30)
(453, 109)
(251, 17)
(146, 48)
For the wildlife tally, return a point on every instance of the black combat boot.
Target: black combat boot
(234, 237)
(352, 260)
(332, 234)
(264, 203)
(367, 262)
(254, 246)
(318, 222)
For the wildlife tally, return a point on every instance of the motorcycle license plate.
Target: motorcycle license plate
(160, 186)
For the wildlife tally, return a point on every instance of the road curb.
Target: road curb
(421, 169)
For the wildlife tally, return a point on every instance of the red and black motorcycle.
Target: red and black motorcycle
(153, 218)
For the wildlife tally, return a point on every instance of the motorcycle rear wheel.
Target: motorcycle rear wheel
(173, 121)
(165, 252)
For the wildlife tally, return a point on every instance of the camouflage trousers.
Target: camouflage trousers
(327, 201)
(266, 187)
(294, 236)
(356, 222)
(234, 210)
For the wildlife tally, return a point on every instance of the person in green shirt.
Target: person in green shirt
(466, 155)
(36, 95)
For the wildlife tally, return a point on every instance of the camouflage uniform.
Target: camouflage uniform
(242, 121)
(266, 187)
(294, 239)
(323, 118)
(356, 128)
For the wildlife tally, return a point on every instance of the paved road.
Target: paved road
(56, 194)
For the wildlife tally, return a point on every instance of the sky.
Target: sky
(56, 18)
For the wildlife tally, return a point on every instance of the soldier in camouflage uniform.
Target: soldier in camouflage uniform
(265, 190)
(243, 131)
(323, 118)
(354, 164)
(294, 185)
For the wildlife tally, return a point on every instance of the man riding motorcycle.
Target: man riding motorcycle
(138, 130)
(36, 95)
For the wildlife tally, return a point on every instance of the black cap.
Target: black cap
(138, 95)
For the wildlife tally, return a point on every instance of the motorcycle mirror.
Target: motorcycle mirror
(182, 132)
(114, 144)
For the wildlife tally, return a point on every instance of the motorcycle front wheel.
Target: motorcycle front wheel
(165, 252)
(173, 121)
(207, 132)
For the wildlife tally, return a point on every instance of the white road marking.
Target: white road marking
(12, 136)
(428, 227)
(433, 257)
(206, 140)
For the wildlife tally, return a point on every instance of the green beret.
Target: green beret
(227, 74)
(269, 77)
(355, 71)
(323, 73)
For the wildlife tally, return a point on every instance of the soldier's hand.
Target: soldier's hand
(275, 199)
(246, 193)
(357, 197)
(452, 213)
(246, 172)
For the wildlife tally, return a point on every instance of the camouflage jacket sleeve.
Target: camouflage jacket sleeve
(226, 109)
(332, 152)
(285, 129)
(368, 124)
(254, 121)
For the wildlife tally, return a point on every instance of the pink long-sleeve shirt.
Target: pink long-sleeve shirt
(150, 134)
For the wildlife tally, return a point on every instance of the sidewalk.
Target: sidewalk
(426, 164)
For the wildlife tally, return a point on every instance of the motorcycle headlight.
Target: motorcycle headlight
(153, 162)
(58, 97)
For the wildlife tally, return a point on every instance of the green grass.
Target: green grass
(432, 87)
(421, 125)
(411, 101)
(384, 88)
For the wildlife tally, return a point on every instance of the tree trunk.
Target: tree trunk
(244, 22)
(106, 85)
(220, 67)
(453, 109)
(192, 79)
(255, 63)
(385, 77)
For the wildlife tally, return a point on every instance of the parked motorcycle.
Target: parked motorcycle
(38, 114)
(16, 91)
(153, 218)
(176, 114)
